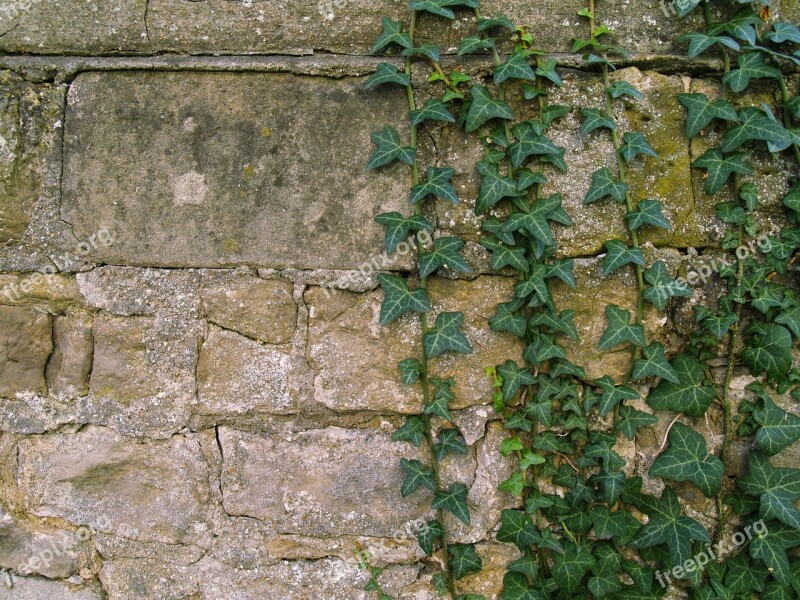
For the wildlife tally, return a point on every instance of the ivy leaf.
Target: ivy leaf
(516, 67)
(743, 577)
(636, 144)
(663, 287)
(434, 110)
(515, 587)
(563, 269)
(618, 255)
(751, 66)
(561, 323)
(543, 349)
(497, 21)
(595, 119)
(779, 429)
(386, 73)
(484, 108)
(503, 256)
(454, 500)
(518, 529)
(783, 32)
(687, 459)
(570, 567)
(437, 184)
(392, 34)
(505, 319)
(494, 187)
(449, 441)
(620, 330)
(389, 149)
(464, 560)
(427, 50)
(514, 377)
(770, 351)
(667, 525)
(526, 178)
(701, 112)
(755, 125)
(771, 548)
(684, 7)
(623, 88)
(445, 253)
(413, 431)
(632, 420)
(428, 534)
(547, 69)
(613, 394)
(398, 227)
(654, 363)
(473, 43)
(436, 7)
(551, 112)
(740, 25)
(777, 488)
(719, 168)
(716, 324)
(529, 142)
(700, 42)
(410, 369)
(439, 406)
(604, 184)
(691, 396)
(535, 221)
(417, 475)
(447, 335)
(398, 299)
(648, 213)
(790, 316)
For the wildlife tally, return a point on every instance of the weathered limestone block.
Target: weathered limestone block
(56, 555)
(39, 27)
(237, 375)
(25, 345)
(355, 359)
(36, 588)
(69, 367)
(143, 490)
(319, 482)
(262, 310)
(135, 384)
(228, 156)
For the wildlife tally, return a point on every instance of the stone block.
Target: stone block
(26, 341)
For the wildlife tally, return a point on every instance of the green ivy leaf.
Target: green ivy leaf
(623, 88)
(484, 108)
(392, 34)
(771, 548)
(691, 396)
(547, 69)
(779, 429)
(756, 125)
(434, 110)
(740, 25)
(595, 119)
(506, 319)
(494, 187)
(700, 42)
(716, 324)
(439, 406)
(632, 419)
(398, 227)
(561, 323)
(687, 459)
(503, 256)
(570, 567)
(604, 184)
(618, 255)
(450, 441)
(770, 351)
(719, 168)
(663, 287)
(410, 369)
(437, 184)
(604, 583)
(551, 112)
(518, 529)
(777, 488)
(648, 213)
(445, 253)
(398, 299)
(515, 587)
(667, 525)
(543, 349)
(654, 363)
(428, 534)
(515, 67)
(413, 431)
(684, 7)
(464, 560)
(436, 7)
(389, 149)
(563, 269)
(417, 475)
(530, 142)
(454, 500)
(635, 144)
(514, 377)
(620, 330)
(535, 221)
(751, 66)
(427, 50)
(473, 43)
(783, 32)
(613, 394)
(386, 73)
(701, 112)
(447, 336)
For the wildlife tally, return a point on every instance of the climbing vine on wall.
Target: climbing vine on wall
(584, 526)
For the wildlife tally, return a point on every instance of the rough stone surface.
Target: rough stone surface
(36, 588)
(71, 363)
(25, 344)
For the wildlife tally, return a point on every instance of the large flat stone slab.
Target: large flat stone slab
(212, 169)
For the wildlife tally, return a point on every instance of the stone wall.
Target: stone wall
(186, 409)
